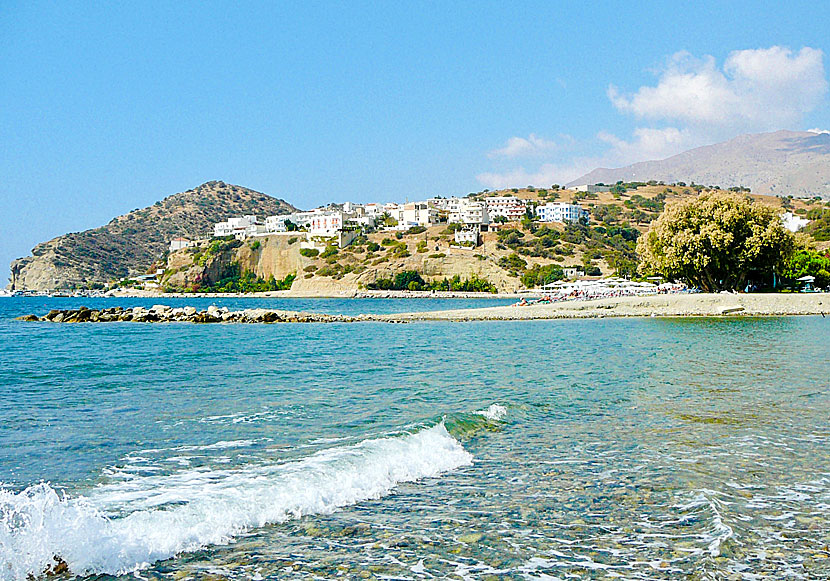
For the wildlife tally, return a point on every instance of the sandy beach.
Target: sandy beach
(673, 305)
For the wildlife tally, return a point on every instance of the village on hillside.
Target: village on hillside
(469, 221)
(348, 220)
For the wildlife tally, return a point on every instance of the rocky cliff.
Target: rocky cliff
(131, 243)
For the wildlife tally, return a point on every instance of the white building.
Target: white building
(179, 243)
(326, 223)
(561, 212)
(416, 214)
(277, 223)
(239, 227)
(572, 271)
(792, 222)
(590, 188)
(509, 207)
(374, 210)
(468, 212)
(467, 235)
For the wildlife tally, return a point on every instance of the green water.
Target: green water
(613, 448)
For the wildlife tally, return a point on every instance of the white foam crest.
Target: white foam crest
(494, 412)
(127, 525)
(220, 445)
(721, 531)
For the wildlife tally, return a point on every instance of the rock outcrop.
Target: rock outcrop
(132, 243)
(166, 314)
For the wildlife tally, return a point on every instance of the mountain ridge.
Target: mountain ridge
(782, 163)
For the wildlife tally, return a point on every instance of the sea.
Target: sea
(650, 448)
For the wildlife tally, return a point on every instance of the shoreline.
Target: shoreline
(288, 294)
(671, 305)
(667, 306)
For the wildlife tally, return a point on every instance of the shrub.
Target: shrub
(329, 251)
(328, 271)
(512, 262)
(542, 275)
(292, 240)
(255, 245)
(234, 280)
(309, 252)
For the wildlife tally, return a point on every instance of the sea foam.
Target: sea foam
(127, 525)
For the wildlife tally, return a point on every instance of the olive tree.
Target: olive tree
(716, 241)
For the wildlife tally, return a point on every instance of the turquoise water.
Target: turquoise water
(627, 448)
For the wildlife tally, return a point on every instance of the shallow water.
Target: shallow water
(630, 448)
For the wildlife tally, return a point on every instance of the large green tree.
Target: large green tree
(716, 241)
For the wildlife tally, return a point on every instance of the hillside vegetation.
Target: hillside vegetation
(517, 255)
(131, 244)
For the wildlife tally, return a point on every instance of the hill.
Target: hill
(783, 163)
(130, 244)
(515, 256)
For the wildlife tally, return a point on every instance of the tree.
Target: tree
(717, 241)
(542, 275)
(806, 262)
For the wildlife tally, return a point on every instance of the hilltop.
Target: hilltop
(793, 163)
(130, 244)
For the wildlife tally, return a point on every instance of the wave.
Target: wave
(720, 532)
(127, 525)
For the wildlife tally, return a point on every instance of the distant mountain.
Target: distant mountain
(781, 163)
(132, 242)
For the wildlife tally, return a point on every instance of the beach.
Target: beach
(669, 305)
(662, 305)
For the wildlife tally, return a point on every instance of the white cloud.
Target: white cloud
(694, 102)
(526, 147)
(547, 175)
(755, 90)
(647, 144)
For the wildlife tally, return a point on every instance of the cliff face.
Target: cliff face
(279, 256)
(271, 255)
(131, 243)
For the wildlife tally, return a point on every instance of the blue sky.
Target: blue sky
(111, 106)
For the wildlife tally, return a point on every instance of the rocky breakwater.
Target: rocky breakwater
(166, 314)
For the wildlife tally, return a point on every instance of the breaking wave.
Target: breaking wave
(127, 525)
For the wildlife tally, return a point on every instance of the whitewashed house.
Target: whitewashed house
(416, 214)
(561, 212)
(326, 223)
(792, 222)
(240, 228)
(179, 243)
(509, 207)
(468, 235)
(468, 212)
